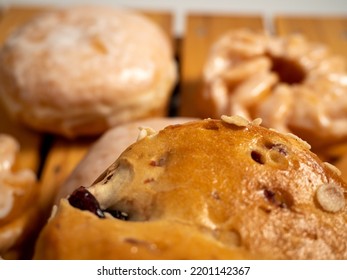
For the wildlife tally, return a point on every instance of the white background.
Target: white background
(87, 270)
(180, 8)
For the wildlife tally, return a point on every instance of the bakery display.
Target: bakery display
(293, 84)
(207, 189)
(81, 70)
(108, 147)
(19, 217)
(286, 206)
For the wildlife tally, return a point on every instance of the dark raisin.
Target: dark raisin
(257, 157)
(281, 149)
(82, 199)
(118, 214)
(269, 195)
(107, 178)
(277, 147)
(266, 210)
(159, 162)
(107, 174)
(215, 195)
(211, 126)
(149, 180)
(279, 198)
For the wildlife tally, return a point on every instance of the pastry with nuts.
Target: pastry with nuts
(206, 189)
(294, 84)
(19, 212)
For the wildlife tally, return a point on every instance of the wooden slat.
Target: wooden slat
(164, 20)
(16, 16)
(62, 158)
(329, 30)
(200, 33)
(30, 142)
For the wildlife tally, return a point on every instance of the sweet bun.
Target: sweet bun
(81, 70)
(208, 189)
(107, 148)
(293, 84)
(18, 211)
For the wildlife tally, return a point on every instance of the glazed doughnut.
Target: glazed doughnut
(293, 84)
(207, 189)
(108, 147)
(82, 70)
(18, 211)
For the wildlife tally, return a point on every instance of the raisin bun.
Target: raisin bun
(209, 189)
(293, 84)
(107, 148)
(18, 211)
(80, 70)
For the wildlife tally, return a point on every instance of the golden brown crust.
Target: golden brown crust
(82, 70)
(232, 189)
(154, 240)
(104, 151)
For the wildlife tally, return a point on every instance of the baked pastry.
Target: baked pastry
(18, 212)
(107, 148)
(293, 84)
(82, 70)
(209, 189)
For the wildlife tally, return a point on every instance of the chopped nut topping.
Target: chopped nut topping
(139, 243)
(144, 132)
(9, 147)
(257, 121)
(274, 130)
(307, 145)
(333, 168)
(6, 200)
(236, 120)
(330, 197)
(53, 212)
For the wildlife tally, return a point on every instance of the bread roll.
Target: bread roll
(209, 189)
(107, 148)
(82, 70)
